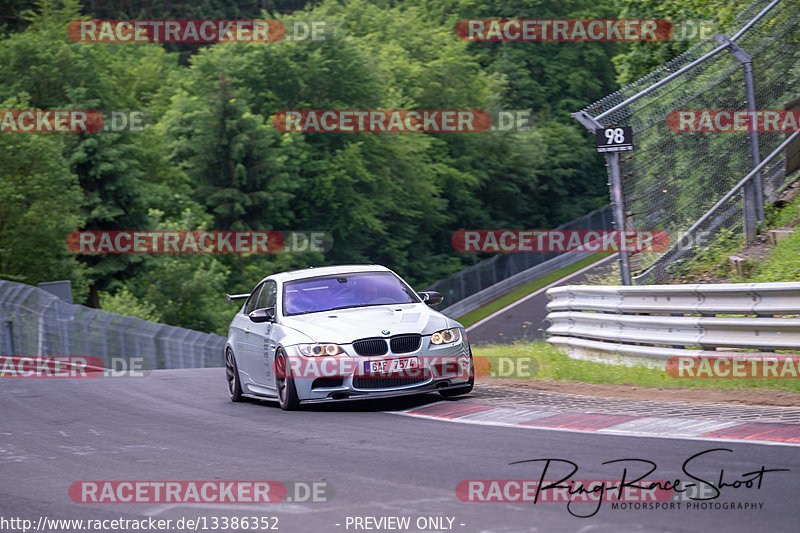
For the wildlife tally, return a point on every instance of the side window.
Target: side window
(250, 306)
(268, 295)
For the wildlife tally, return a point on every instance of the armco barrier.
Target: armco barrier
(34, 322)
(655, 322)
(501, 288)
(492, 278)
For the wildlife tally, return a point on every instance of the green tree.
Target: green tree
(642, 58)
(125, 302)
(227, 153)
(56, 73)
(180, 290)
(553, 79)
(40, 205)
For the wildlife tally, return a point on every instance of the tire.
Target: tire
(232, 374)
(466, 389)
(284, 383)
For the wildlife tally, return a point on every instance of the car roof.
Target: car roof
(326, 271)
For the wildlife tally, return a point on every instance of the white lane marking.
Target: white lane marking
(685, 427)
(10, 454)
(139, 447)
(510, 415)
(537, 292)
(80, 450)
(607, 431)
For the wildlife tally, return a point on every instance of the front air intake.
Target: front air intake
(370, 347)
(405, 343)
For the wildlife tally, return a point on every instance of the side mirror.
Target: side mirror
(431, 297)
(266, 314)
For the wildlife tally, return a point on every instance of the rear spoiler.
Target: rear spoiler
(231, 297)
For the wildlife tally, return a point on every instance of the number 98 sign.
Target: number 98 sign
(617, 139)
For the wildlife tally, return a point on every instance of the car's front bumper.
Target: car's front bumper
(391, 393)
(316, 379)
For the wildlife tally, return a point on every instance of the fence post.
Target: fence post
(41, 336)
(618, 204)
(755, 154)
(753, 194)
(617, 198)
(8, 336)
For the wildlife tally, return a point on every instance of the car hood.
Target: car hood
(343, 326)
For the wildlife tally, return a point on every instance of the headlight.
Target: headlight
(321, 349)
(446, 336)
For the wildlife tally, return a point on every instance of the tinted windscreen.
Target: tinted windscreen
(344, 291)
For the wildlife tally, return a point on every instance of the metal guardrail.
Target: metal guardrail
(34, 322)
(501, 288)
(724, 298)
(655, 322)
(492, 278)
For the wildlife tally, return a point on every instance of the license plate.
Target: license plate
(391, 365)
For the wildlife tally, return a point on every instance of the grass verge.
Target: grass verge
(547, 363)
(782, 264)
(482, 312)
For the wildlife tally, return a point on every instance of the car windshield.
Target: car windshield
(345, 291)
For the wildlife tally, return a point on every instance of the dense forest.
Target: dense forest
(210, 158)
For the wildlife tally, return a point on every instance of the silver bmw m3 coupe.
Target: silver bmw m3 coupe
(343, 333)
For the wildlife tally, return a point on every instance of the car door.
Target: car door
(245, 346)
(262, 335)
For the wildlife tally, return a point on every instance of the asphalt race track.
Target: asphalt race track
(526, 319)
(180, 425)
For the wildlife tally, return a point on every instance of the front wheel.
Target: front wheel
(232, 374)
(284, 382)
(465, 389)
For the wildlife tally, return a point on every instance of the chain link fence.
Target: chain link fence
(672, 179)
(34, 322)
(492, 271)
